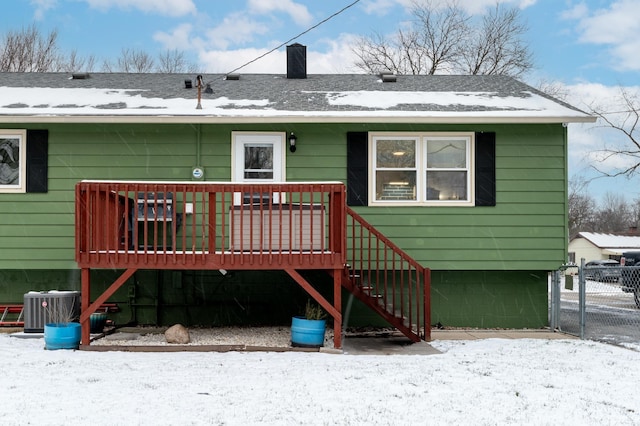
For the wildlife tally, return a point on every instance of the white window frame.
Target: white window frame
(421, 173)
(8, 139)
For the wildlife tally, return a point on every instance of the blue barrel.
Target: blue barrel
(307, 333)
(62, 336)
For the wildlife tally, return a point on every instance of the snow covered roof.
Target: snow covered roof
(119, 97)
(615, 244)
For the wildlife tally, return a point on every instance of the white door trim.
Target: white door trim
(239, 140)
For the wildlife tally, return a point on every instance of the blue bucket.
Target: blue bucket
(62, 336)
(97, 321)
(307, 333)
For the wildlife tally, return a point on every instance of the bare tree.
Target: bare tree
(28, 50)
(75, 63)
(173, 61)
(614, 216)
(430, 43)
(581, 207)
(553, 88)
(447, 40)
(635, 214)
(626, 120)
(497, 47)
(131, 61)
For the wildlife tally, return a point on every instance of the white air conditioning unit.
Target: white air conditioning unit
(36, 316)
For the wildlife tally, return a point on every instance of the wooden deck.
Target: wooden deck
(234, 226)
(214, 226)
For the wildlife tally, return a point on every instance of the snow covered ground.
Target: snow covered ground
(481, 382)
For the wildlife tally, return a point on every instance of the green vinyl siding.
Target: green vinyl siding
(206, 298)
(487, 299)
(526, 230)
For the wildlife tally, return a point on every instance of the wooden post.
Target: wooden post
(85, 300)
(337, 304)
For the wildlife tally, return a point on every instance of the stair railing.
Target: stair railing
(387, 279)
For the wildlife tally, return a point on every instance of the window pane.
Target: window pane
(395, 154)
(395, 185)
(446, 154)
(446, 186)
(9, 161)
(258, 161)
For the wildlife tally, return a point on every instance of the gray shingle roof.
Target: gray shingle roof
(332, 96)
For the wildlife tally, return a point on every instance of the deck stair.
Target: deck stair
(12, 315)
(386, 279)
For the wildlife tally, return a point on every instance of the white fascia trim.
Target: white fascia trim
(199, 119)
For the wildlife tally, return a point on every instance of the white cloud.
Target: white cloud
(617, 26)
(161, 7)
(379, 7)
(224, 61)
(579, 11)
(179, 38)
(41, 7)
(236, 28)
(611, 25)
(338, 58)
(299, 13)
(473, 7)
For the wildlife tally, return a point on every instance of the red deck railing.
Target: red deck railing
(387, 279)
(210, 225)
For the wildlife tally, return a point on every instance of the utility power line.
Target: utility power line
(293, 38)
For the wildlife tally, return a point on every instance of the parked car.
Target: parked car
(630, 275)
(602, 270)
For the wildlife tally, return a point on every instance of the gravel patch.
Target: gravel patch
(274, 337)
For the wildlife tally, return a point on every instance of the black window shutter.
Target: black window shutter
(357, 168)
(37, 160)
(485, 169)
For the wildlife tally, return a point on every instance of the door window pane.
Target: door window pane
(258, 161)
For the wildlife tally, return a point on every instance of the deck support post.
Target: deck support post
(89, 308)
(85, 293)
(337, 304)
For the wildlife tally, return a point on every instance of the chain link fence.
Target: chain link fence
(597, 303)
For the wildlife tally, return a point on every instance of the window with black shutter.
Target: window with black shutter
(439, 169)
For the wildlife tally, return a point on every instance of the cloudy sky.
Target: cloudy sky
(589, 47)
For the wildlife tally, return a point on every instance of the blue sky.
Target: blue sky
(590, 47)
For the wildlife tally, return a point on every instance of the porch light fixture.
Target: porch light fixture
(292, 142)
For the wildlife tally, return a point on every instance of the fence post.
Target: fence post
(582, 292)
(555, 293)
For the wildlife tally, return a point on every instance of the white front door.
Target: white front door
(258, 158)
